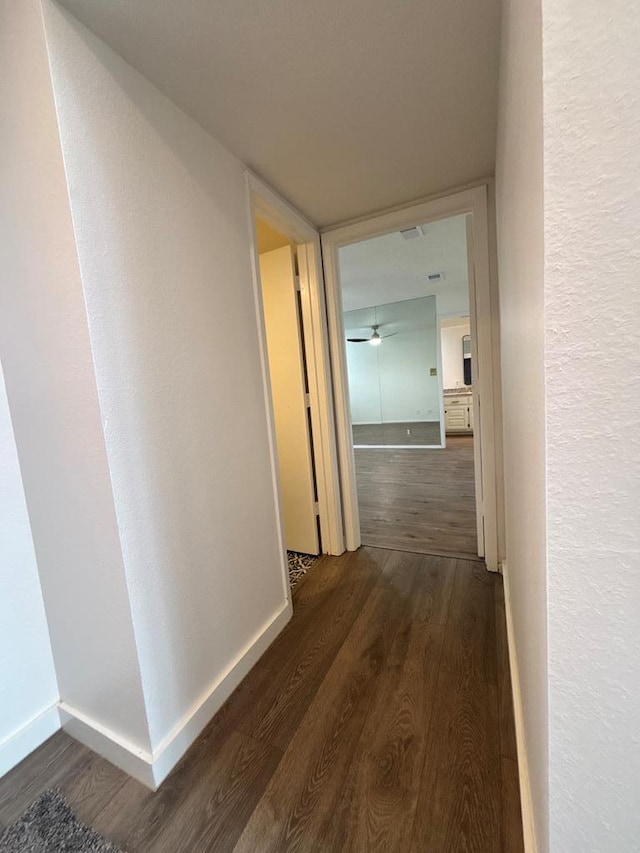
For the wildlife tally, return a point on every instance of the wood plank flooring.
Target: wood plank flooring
(379, 720)
(420, 432)
(419, 500)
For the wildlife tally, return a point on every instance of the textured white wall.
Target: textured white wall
(570, 354)
(592, 307)
(519, 199)
(451, 343)
(46, 355)
(27, 678)
(159, 210)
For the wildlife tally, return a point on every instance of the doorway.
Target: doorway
(405, 299)
(298, 390)
(289, 390)
(467, 457)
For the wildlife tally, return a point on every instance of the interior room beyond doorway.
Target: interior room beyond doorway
(407, 323)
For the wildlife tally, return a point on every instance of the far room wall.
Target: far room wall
(393, 382)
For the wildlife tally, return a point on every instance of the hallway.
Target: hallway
(419, 500)
(380, 719)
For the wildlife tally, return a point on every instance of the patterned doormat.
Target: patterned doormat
(299, 565)
(49, 826)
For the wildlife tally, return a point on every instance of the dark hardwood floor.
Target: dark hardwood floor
(419, 500)
(379, 720)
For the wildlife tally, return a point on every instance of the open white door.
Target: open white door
(290, 399)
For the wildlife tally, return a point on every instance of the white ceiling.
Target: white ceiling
(392, 269)
(344, 107)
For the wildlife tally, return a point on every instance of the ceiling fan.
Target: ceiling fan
(375, 339)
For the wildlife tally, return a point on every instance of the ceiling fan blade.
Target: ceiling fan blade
(389, 336)
(358, 340)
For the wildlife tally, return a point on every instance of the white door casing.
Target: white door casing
(472, 202)
(475, 421)
(262, 201)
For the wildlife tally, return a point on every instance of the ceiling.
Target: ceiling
(345, 108)
(393, 269)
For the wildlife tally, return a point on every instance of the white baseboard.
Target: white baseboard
(528, 824)
(153, 769)
(174, 746)
(107, 743)
(29, 737)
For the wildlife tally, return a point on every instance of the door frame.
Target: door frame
(266, 204)
(477, 458)
(473, 203)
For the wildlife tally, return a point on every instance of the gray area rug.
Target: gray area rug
(299, 565)
(49, 826)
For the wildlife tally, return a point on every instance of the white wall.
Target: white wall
(363, 369)
(451, 343)
(408, 391)
(160, 216)
(46, 355)
(519, 202)
(28, 688)
(570, 303)
(391, 383)
(592, 356)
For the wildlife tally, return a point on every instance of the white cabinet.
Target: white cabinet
(458, 413)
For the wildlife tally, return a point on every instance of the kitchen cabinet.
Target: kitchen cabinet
(458, 413)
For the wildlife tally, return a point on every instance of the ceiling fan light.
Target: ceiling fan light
(375, 340)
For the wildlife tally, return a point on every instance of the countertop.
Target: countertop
(464, 390)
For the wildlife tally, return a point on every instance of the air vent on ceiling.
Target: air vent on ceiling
(412, 233)
(434, 277)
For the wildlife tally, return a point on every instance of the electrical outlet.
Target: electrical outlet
(433, 371)
(408, 432)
